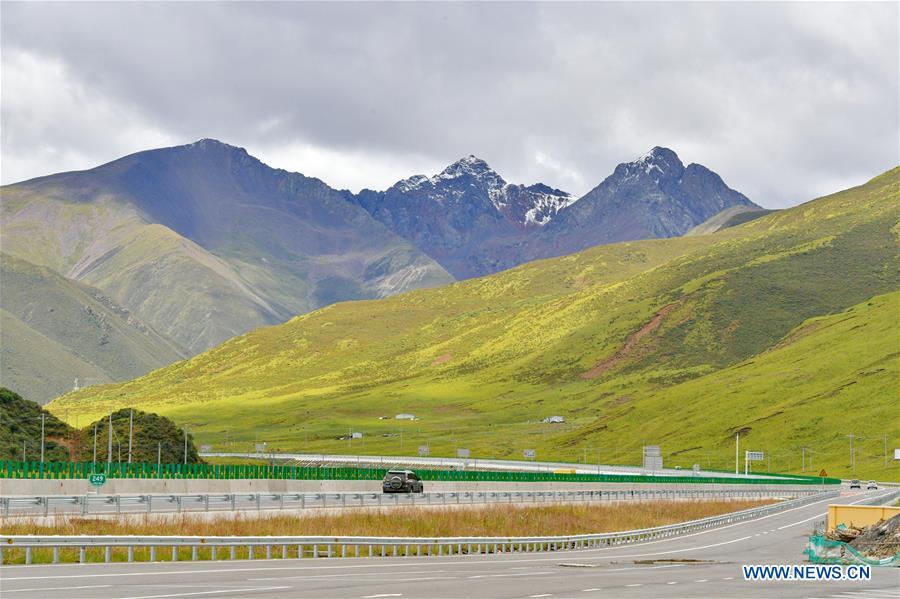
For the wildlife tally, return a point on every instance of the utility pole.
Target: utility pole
(130, 433)
(803, 459)
(95, 443)
(109, 446)
(23, 450)
(884, 438)
(158, 457)
(852, 461)
(42, 436)
(737, 443)
(185, 445)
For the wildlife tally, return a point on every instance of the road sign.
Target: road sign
(260, 447)
(755, 456)
(356, 435)
(97, 479)
(529, 454)
(462, 453)
(822, 473)
(652, 457)
(423, 450)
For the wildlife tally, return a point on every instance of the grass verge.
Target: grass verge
(494, 520)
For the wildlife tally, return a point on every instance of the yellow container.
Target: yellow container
(858, 515)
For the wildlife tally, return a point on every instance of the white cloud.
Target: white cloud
(784, 100)
(345, 169)
(53, 122)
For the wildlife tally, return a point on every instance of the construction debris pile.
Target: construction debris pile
(877, 541)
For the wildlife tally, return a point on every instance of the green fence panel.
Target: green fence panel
(56, 470)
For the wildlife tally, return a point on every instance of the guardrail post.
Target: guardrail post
(152, 553)
(130, 553)
(258, 501)
(82, 554)
(206, 502)
(84, 508)
(27, 555)
(107, 554)
(118, 504)
(174, 553)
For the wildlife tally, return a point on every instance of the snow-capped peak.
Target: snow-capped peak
(471, 177)
(659, 161)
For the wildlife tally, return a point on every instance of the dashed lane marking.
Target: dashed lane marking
(244, 590)
(92, 586)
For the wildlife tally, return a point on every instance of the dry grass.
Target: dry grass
(494, 520)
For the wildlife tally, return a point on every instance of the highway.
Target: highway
(626, 571)
(336, 460)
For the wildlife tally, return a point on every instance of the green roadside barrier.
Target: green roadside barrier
(822, 550)
(68, 470)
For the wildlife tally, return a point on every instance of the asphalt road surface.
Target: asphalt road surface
(608, 572)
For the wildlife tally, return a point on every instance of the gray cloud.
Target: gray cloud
(785, 101)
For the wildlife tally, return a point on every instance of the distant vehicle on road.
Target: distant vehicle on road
(402, 481)
(855, 484)
(871, 485)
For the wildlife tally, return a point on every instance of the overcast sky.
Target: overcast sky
(785, 101)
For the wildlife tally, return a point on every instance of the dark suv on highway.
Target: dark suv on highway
(401, 481)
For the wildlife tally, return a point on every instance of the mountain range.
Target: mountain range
(781, 329)
(203, 242)
(473, 223)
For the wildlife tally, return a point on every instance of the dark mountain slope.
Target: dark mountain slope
(654, 196)
(205, 242)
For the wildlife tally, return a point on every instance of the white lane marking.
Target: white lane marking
(92, 586)
(701, 580)
(590, 590)
(643, 568)
(537, 596)
(673, 582)
(372, 574)
(633, 585)
(208, 592)
(383, 595)
(728, 578)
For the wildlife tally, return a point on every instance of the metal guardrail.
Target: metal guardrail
(338, 546)
(175, 503)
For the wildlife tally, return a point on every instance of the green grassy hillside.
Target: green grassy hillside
(54, 331)
(594, 337)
